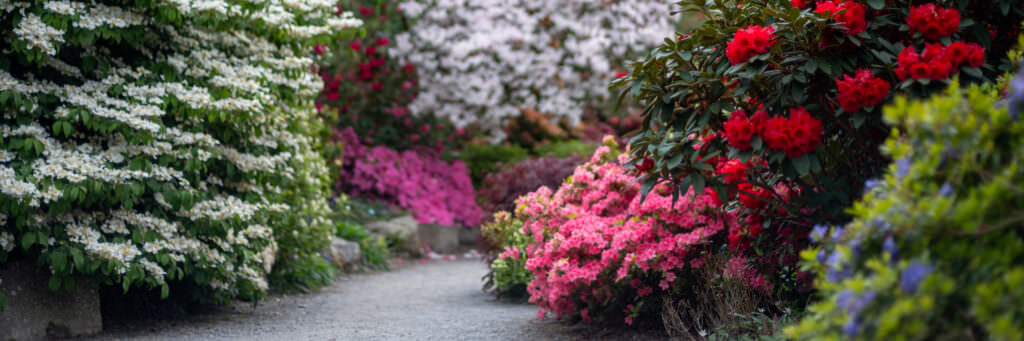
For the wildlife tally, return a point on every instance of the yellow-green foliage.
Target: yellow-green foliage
(948, 210)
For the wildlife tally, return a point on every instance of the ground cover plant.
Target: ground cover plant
(148, 142)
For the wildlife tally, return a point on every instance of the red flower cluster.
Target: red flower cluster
(738, 130)
(937, 61)
(847, 13)
(801, 4)
(861, 90)
(749, 42)
(796, 135)
(961, 53)
(933, 22)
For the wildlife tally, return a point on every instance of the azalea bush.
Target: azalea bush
(482, 62)
(934, 251)
(598, 249)
(149, 143)
(508, 275)
(433, 190)
(368, 89)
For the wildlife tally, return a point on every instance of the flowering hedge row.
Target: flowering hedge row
(160, 141)
(481, 62)
(935, 248)
(434, 190)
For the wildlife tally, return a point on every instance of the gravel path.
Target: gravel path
(433, 301)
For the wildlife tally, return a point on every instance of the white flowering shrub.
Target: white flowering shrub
(482, 61)
(154, 141)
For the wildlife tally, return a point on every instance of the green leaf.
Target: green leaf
(802, 165)
(59, 260)
(165, 291)
(27, 240)
(876, 4)
(54, 283)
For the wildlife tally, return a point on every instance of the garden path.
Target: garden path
(432, 301)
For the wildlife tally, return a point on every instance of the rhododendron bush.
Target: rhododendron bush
(160, 141)
(434, 190)
(934, 251)
(481, 62)
(368, 89)
(598, 248)
(776, 104)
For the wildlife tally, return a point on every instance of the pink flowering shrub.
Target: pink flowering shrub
(598, 249)
(435, 191)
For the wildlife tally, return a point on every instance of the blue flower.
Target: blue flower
(838, 234)
(871, 184)
(851, 328)
(309, 219)
(852, 303)
(818, 232)
(845, 299)
(912, 276)
(1016, 95)
(855, 248)
(946, 190)
(882, 224)
(822, 256)
(902, 167)
(890, 247)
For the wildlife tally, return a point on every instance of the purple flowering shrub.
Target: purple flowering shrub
(936, 247)
(500, 189)
(434, 190)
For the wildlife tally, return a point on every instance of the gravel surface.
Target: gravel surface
(433, 301)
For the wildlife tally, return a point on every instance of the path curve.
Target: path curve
(433, 301)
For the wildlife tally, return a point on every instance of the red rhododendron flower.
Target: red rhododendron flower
(796, 135)
(356, 45)
(409, 68)
(377, 86)
(849, 14)
(933, 22)
(749, 42)
(621, 74)
(319, 49)
(365, 11)
(738, 130)
(961, 53)
(376, 62)
(861, 90)
(382, 41)
(751, 196)
(734, 171)
(371, 50)
(801, 4)
(645, 165)
(933, 63)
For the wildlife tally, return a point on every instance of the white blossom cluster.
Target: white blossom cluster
(211, 132)
(485, 60)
